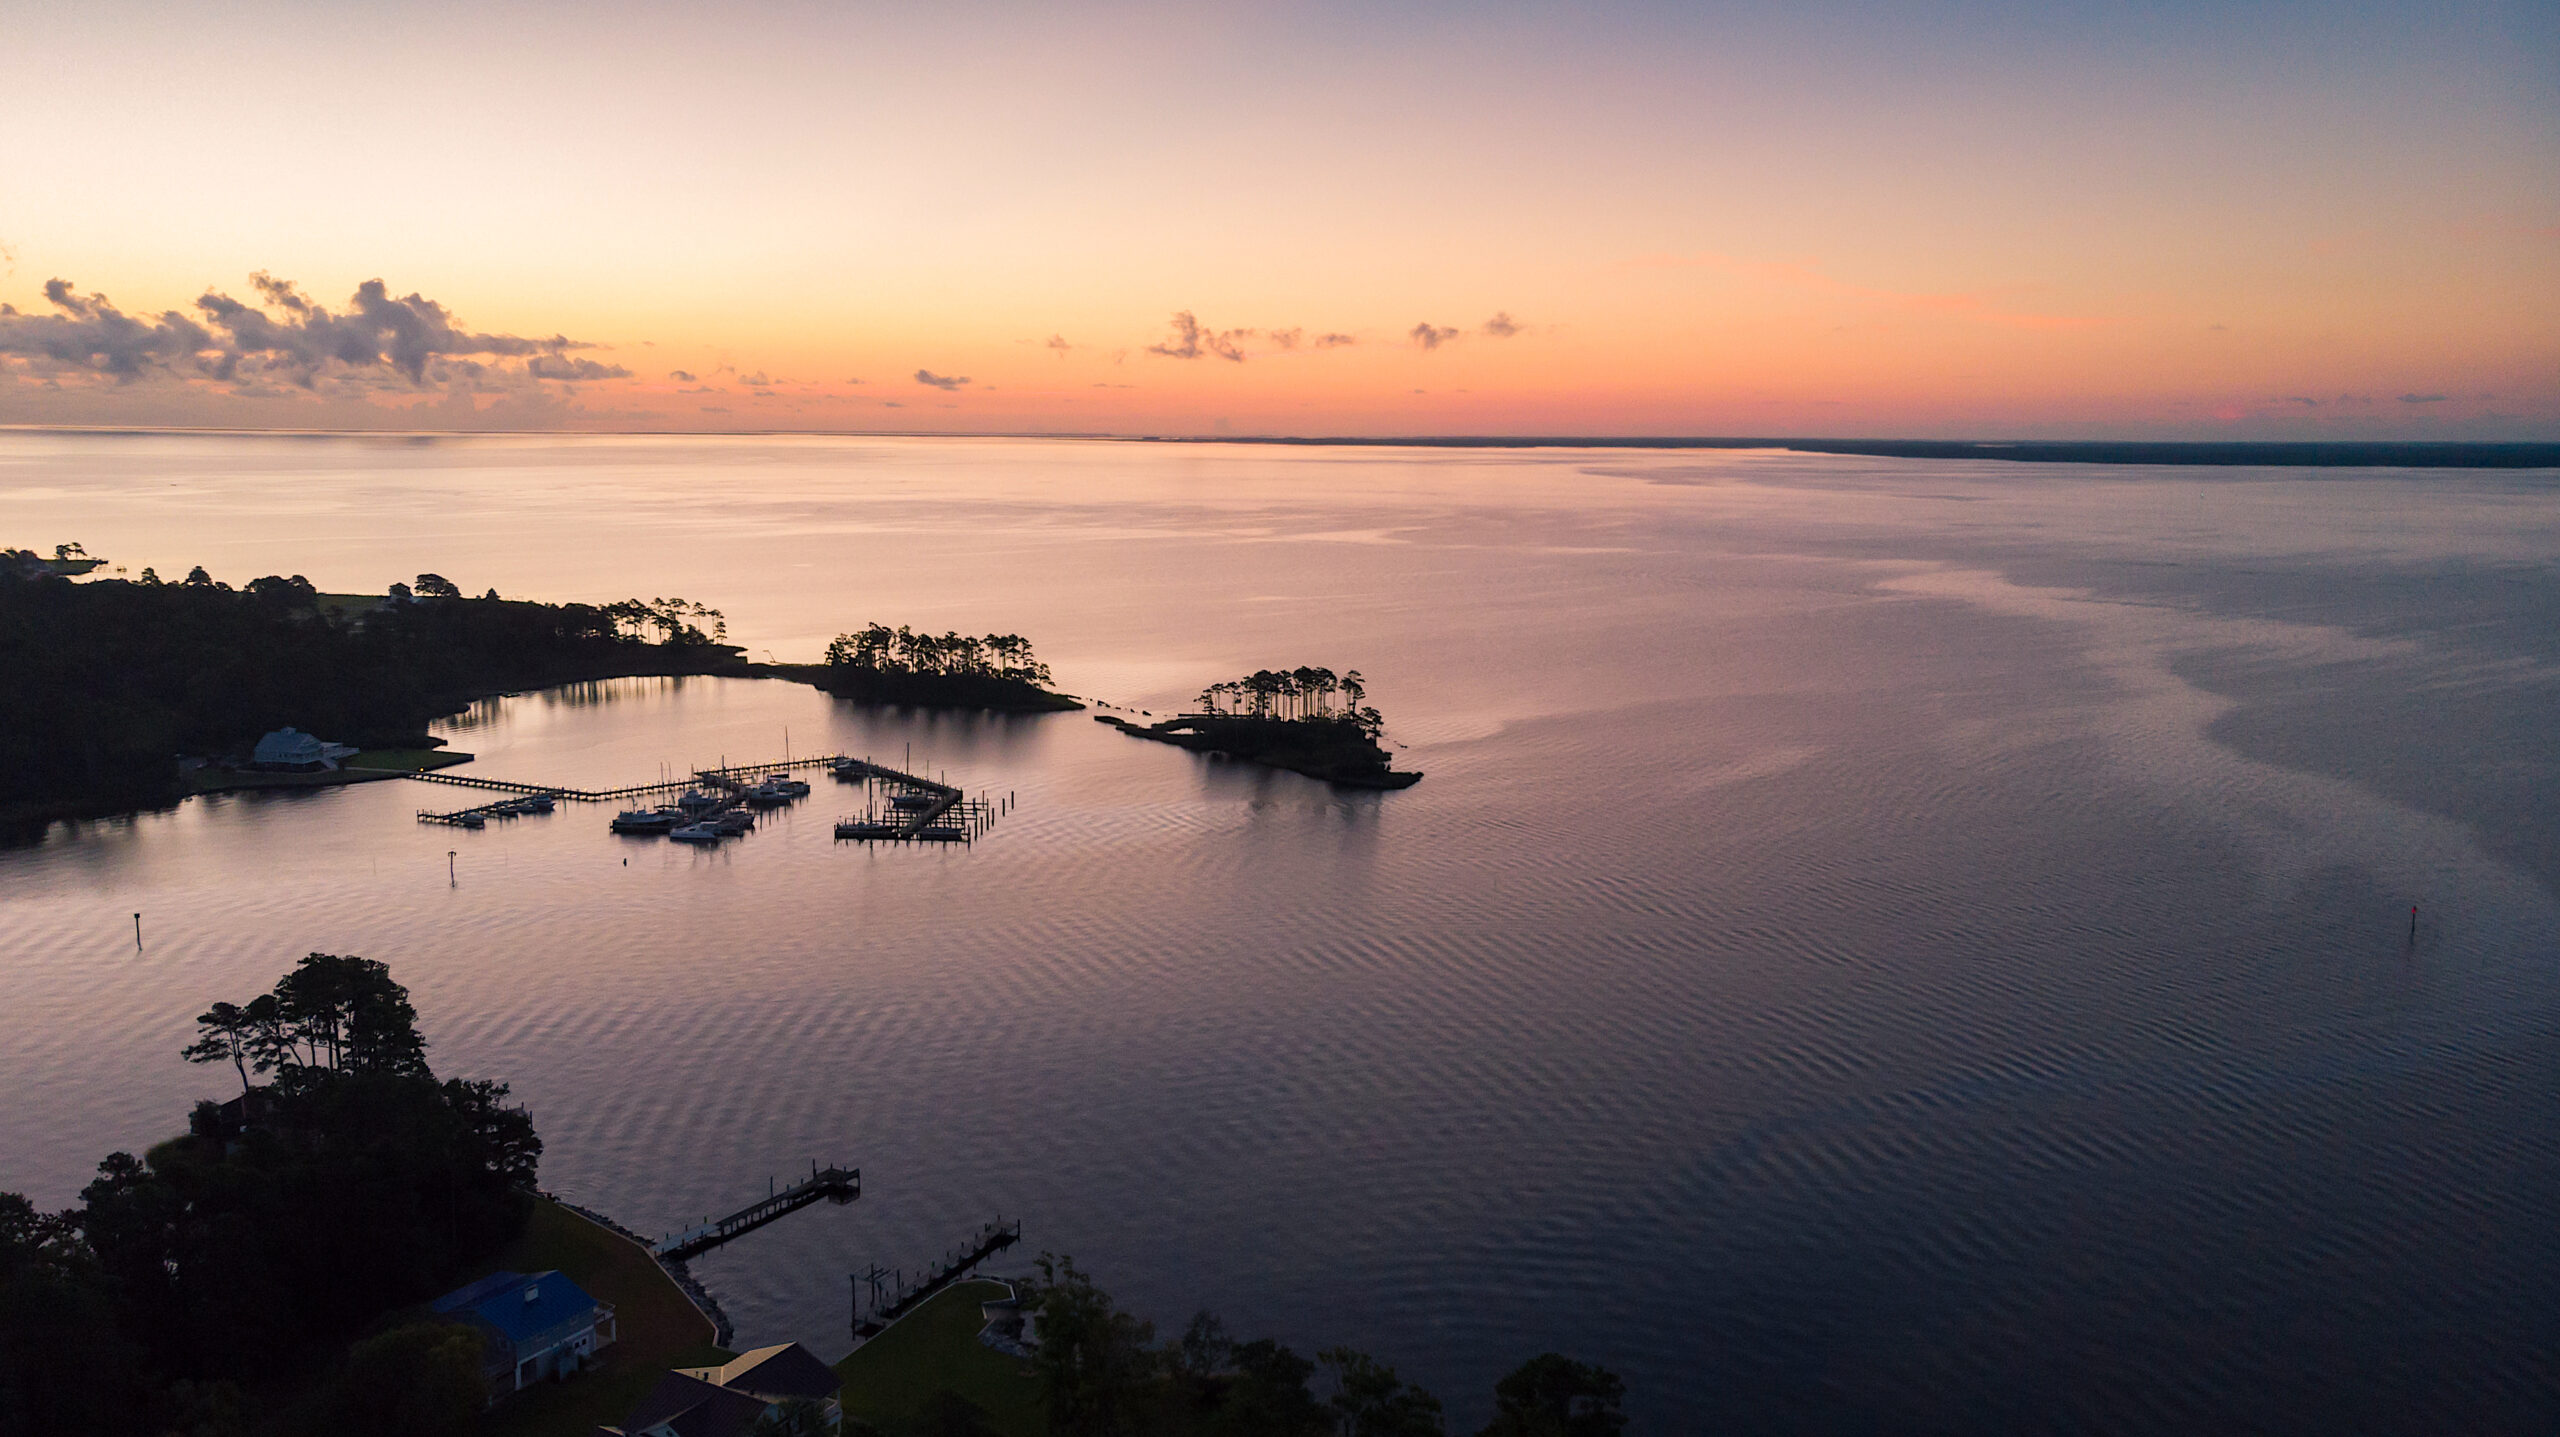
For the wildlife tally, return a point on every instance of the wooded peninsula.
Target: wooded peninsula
(114, 680)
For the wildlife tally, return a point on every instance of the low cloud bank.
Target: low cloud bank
(286, 339)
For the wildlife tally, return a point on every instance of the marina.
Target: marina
(713, 804)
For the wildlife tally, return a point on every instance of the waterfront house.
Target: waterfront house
(729, 1399)
(538, 1325)
(291, 751)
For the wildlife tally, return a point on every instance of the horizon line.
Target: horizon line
(2296, 453)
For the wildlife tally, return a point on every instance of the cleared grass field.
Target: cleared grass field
(936, 1349)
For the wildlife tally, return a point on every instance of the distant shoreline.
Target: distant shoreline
(2209, 453)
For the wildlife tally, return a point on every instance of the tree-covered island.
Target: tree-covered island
(1306, 720)
(880, 665)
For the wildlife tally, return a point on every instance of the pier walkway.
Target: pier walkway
(889, 1303)
(729, 773)
(841, 1185)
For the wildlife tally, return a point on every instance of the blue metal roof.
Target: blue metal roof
(499, 1300)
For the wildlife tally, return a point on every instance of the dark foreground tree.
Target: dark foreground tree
(237, 1259)
(422, 1380)
(1551, 1395)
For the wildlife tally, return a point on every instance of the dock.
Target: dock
(833, 1184)
(894, 1294)
(479, 816)
(947, 815)
(728, 773)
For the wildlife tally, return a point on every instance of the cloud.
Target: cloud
(1285, 338)
(1501, 326)
(1431, 336)
(756, 379)
(1190, 340)
(944, 382)
(285, 337)
(2424, 398)
(1057, 345)
(1334, 341)
(680, 376)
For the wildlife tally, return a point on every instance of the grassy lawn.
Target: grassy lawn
(659, 1328)
(936, 1349)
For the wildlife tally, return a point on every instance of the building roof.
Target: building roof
(287, 745)
(777, 1374)
(691, 1407)
(501, 1301)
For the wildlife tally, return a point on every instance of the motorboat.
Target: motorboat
(766, 795)
(698, 833)
(647, 820)
(696, 801)
(865, 828)
(535, 803)
(787, 785)
(942, 833)
(851, 770)
(732, 822)
(914, 801)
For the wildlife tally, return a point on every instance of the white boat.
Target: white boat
(732, 822)
(696, 801)
(698, 833)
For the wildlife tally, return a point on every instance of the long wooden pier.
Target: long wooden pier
(889, 1303)
(834, 1184)
(616, 795)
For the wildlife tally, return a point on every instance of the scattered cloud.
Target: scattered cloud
(284, 339)
(680, 376)
(1190, 339)
(1057, 344)
(1285, 338)
(1431, 336)
(2424, 398)
(1502, 325)
(755, 380)
(1334, 341)
(944, 382)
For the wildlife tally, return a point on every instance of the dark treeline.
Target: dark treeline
(878, 664)
(111, 680)
(1300, 695)
(210, 1288)
(1102, 1374)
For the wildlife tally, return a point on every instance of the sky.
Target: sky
(2051, 219)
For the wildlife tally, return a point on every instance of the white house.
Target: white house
(292, 750)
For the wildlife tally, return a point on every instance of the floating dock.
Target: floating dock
(834, 1184)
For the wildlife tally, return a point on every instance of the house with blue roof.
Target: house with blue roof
(538, 1325)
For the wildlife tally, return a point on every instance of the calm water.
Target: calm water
(1882, 945)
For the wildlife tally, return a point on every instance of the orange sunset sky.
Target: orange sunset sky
(2169, 220)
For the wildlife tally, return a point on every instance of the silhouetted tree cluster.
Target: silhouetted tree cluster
(190, 1286)
(110, 680)
(1300, 695)
(878, 648)
(1102, 1375)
